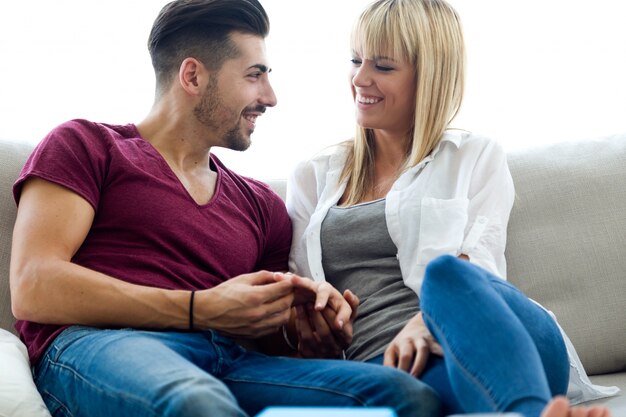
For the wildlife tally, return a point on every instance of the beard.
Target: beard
(215, 115)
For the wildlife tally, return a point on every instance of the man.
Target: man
(139, 259)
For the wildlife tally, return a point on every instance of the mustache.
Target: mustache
(255, 109)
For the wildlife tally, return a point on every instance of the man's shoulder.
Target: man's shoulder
(86, 131)
(75, 129)
(81, 125)
(256, 199)
(262, 189)
(125, 130)
(255, 188)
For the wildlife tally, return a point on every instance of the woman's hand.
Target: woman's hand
(323, 317)
(318, 335)
(410, 349)
(323, 295)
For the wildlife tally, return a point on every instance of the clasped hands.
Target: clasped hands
(260, 303)
(323, 325)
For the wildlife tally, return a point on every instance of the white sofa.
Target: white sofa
(566, 249)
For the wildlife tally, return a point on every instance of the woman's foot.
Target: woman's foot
(559, 407)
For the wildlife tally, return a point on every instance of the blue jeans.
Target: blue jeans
(502, 352)
(97, 372)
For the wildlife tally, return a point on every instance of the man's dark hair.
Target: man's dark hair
(201, 29)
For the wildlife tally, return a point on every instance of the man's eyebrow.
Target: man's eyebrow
(261, 67)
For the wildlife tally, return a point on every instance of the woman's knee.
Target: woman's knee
(447, 273)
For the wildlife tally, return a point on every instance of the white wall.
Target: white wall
(539, 71)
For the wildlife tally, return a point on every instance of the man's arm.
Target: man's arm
(52, 222)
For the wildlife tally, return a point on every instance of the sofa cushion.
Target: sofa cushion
(279, 187)
(18, 395)
(12, 158)
(617, 404)
(566, 242)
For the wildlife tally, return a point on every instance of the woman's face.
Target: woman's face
(383, 90)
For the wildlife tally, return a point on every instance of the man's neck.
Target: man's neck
(181, 142)
(184, 149)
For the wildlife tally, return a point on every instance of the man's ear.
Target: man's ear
(190, 76)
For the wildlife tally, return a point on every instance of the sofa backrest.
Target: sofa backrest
(567, 242)
(12, 158)
(566, 239)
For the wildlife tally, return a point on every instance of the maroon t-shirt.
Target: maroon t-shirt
(147, 229)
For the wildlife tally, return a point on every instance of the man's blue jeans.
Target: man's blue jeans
(502, 352)
(104, 373)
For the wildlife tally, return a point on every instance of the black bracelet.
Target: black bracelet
(193, 293)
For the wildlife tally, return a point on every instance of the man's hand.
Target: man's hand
(410, 349)
(249, 306)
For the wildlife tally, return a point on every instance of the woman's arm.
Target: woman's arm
(314, 330)
(491, 195)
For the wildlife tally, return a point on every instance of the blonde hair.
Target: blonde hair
(428, 34)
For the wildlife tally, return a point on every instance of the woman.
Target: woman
(370, 214)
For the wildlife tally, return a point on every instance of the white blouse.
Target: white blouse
(456, 201)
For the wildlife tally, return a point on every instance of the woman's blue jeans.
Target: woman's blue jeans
(103, 373)
(502, 352)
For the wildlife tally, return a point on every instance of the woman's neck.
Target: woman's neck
(389, 159)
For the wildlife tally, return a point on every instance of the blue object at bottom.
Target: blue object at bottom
(327, 411)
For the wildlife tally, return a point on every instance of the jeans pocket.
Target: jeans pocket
(56, 407)
(65, 339)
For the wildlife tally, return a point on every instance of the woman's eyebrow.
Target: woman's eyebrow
(376, 57)
(383, 58)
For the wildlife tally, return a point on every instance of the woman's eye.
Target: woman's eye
(355, 61)
(383, 68)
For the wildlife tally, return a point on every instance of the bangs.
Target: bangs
(379, 33)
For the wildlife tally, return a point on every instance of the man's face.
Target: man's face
(237, 94)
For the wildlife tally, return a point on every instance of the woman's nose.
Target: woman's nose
(361, 76)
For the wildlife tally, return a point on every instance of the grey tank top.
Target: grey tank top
(358, 254)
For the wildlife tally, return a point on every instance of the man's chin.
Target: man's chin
(245, 146)
(237, 140)
(245, 142)
(240, 145)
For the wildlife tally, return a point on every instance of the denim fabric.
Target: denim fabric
(502, 351)
(103, 373)
(435, 376)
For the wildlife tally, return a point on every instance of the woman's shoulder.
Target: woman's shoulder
(331, 157)
(473, 143)
(468, 138)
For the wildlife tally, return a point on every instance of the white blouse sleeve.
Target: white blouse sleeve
(491, 195)
(301, 202)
